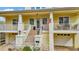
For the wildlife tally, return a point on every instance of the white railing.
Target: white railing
(45, 27)
(6, 27)
(66, 27)
(11, 27)
(26, 26)
(28, 29)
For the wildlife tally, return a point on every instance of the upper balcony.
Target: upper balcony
(8, 28)
(66, 28)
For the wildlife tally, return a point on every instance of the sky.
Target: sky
(11, 8)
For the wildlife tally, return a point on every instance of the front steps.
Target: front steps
(30, 39)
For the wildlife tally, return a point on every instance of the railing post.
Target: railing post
(51, 34)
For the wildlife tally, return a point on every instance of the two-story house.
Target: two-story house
(43, 28)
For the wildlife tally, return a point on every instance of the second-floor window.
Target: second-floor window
(32, 21)
(37, 7)
(33, 8)
(15, 22)
(44, 20)
(63, 20)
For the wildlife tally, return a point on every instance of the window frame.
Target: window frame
(44, 22)
(16, 22)
(64, 20)
(30, 21)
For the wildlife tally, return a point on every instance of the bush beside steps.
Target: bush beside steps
(27, 48)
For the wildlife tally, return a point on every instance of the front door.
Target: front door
(38, 26)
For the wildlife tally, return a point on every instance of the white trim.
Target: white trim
(35, 22)
(45, 31)
(9, 31)
(29, 21)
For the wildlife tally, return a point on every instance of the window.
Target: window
(32, 21)
(37, 7)
(15, 21)
(44, 20)
(32, 8)
(43, 7)
(66, 20)
(60, 20)
(63, 20)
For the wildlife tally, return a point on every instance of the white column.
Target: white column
(20, 25)
(51, 29)
(20, 37)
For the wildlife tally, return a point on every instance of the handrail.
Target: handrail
(26, 34)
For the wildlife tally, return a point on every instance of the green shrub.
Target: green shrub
(27, 48)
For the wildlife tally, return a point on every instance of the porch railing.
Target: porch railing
(45, 27)
(26, 26)
(66, 27)
(10, 27)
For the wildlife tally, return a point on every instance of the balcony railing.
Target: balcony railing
(26, 26)
(45, 27)
(66, 27)
(8, 27)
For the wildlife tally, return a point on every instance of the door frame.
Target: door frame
(36, 23)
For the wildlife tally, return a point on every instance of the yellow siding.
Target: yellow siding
(9, 20)
(26, 18)
(76, 39)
